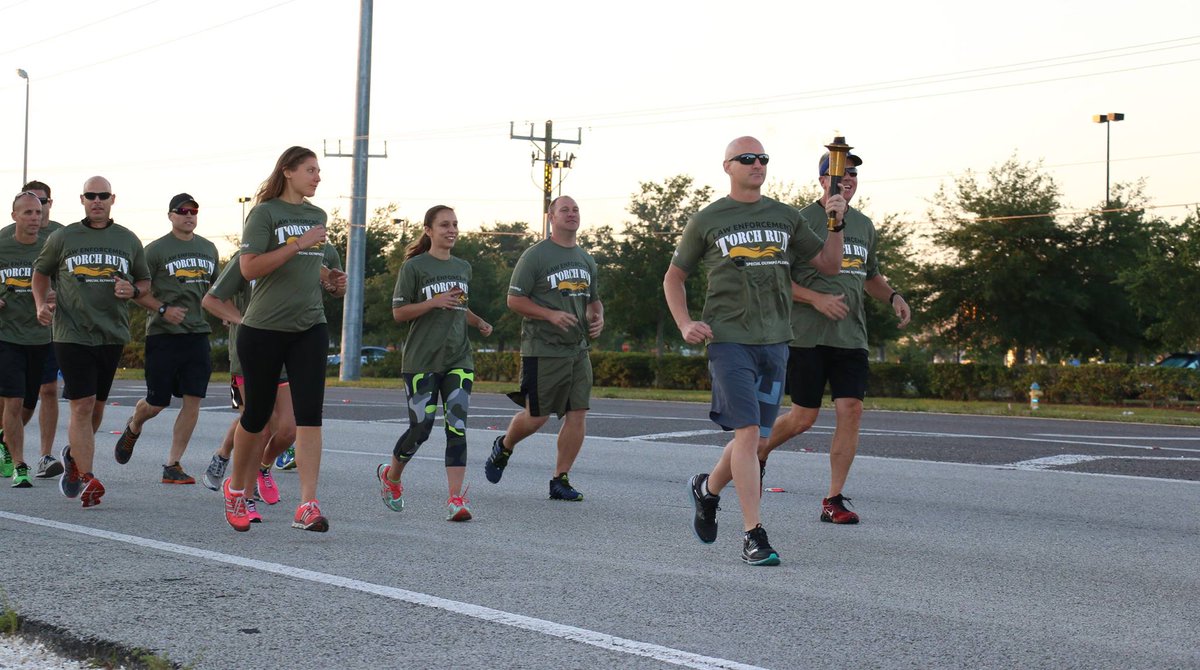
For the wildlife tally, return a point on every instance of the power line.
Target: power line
(87, 26)
(988, 71)
(179, 38)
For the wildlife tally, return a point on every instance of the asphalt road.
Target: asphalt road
(985, 543)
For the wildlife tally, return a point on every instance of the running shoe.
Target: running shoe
(92, 491)
(21, 477)
(235, 509)
(493, 468)
(308, 517)
(834, 510)
(286, 460)
(252, 512)
(70, 481)
(48, 466)
(762, 474)
(391, 492)
(705, 522)
(174, 474)
(6, 461)
(265, 487)
(458, 510)
(215, 473)
(560, 489)
(124, 449)
(756, 549)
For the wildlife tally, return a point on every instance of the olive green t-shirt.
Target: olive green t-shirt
(437, 341)
(180, 274)
(43, 232)
(561, 278)
(231, 285)
(810, 327)
(289, 299)
(84, 263)
(18, 317)
(747, 250)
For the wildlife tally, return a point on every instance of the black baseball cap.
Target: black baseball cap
(181, 199)
(823, 166)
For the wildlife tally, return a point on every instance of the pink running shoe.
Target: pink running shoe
(309, 517)
(391, 492)
(235, 509)
(268, 492)
(457, 506)
(252, 512)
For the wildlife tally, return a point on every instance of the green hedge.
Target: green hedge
(1105, 384)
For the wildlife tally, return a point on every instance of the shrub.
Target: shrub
(627, 370)
(684, 372)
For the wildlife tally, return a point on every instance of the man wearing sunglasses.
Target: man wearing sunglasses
(47, 466)
(97, 265)
(746, 243)
(829, 342)
(182, 267)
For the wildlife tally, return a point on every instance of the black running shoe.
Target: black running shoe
(705, 522)
(756, 550)
(561, 489)
(493, 468)
(124, 449)
(762, 474)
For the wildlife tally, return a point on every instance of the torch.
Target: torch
(837, 167)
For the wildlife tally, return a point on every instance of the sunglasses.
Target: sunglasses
(40, 198)
(104, 195)
(748, 159)
(186, 211)
(849, 172)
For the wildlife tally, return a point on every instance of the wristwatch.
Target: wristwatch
(162, 309)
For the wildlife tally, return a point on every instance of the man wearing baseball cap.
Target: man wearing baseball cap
(182, 266)
(829, 338)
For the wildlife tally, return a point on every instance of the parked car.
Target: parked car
(1181, 360)
(370, 354)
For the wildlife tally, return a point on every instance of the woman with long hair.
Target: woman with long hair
(431, 292)
(283, 251)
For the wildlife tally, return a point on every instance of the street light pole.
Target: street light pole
(1107, 119)
(244, 201)
(25, 166)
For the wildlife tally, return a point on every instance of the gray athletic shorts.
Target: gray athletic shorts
(747, 384)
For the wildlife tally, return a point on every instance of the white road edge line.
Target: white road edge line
(541, 626)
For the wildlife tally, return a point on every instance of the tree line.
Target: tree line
(996, 270)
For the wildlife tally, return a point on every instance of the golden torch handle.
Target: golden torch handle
(837, 169)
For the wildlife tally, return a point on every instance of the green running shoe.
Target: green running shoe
(21, 477)
(6, 462)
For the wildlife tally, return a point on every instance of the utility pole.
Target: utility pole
(356, 248)
(551, 159)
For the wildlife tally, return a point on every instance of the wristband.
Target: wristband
(136, 292)
(892, 297)
(162, 309)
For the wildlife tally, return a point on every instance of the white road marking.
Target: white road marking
(1126, 437)
(1088, 443)
(660, 436)
(1057, 460)
(531, 624)
(1047, 462)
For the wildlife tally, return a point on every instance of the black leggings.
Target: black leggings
(263, 354)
